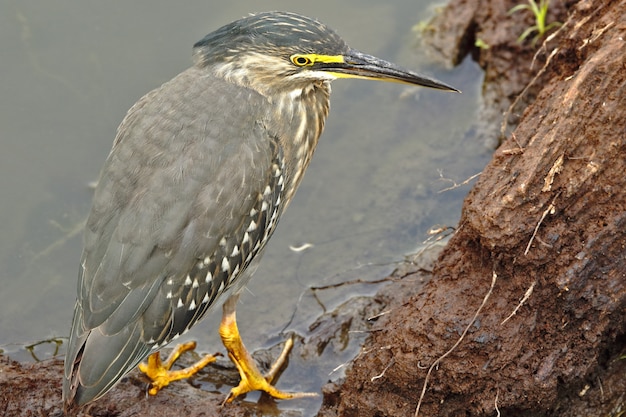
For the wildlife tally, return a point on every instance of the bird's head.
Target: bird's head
(281, 51)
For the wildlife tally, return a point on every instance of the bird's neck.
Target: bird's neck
(299, 116)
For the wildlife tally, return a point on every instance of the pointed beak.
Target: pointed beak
(359, 65)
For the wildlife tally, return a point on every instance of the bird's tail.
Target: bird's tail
(95, 361)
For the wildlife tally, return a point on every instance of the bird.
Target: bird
(200, 172)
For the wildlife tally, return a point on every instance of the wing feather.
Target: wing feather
(181, 180)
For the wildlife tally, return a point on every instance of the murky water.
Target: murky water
(71, 69)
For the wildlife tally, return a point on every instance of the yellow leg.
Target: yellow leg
(251, 377)
(160, 374)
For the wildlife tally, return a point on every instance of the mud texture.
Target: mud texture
(35, 390)
(546, 224)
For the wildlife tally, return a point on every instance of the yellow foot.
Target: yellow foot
(253, 380)
(160, 374)
(251, 377)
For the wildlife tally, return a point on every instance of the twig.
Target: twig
(452, 187)
(458, 342)
(351, 282)
(436, 234)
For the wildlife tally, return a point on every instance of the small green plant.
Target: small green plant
(479, 43)
(422, 26)
(540, 11)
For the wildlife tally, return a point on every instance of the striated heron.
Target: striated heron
(199, 174)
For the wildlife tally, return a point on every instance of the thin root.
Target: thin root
(549, 210)
(527, 295)
(458, 342)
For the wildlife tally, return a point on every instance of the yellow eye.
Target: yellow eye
(301, 60)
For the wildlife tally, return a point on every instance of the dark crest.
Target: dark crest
(273, 33)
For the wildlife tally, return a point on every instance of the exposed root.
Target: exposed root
(495, 403)
(550, 210)
(543, 69)
(527, 295)
(454, 184)
(380, 375)
(458, 342)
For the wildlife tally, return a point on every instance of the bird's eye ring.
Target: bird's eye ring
(301, 60)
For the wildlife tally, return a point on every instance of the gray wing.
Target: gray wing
(188, 196)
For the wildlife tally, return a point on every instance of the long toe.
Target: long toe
(160, 373)
(251, 378)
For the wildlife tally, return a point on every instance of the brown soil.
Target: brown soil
(547, 218)
(35, 390)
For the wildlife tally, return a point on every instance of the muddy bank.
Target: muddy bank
(540, 250)
(35, 390)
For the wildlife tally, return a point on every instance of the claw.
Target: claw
(160, 374)
(251, 377)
